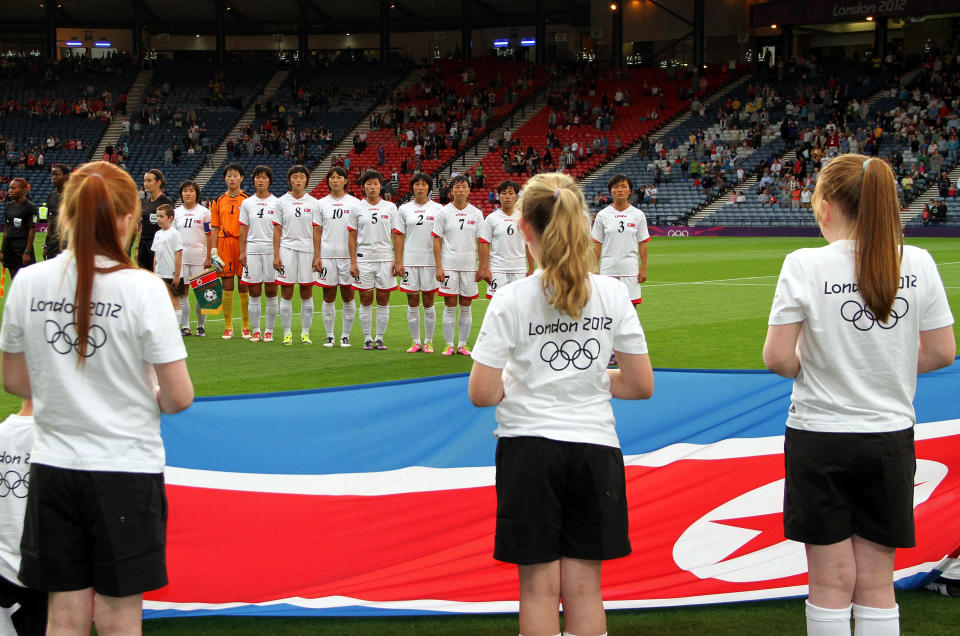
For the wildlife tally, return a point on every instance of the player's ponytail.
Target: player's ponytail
(95, 201)
(555, 208)
(863, 189)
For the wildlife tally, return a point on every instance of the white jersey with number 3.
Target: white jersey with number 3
(458, 230)
(619, 232)
(415, 222)
(258, 215)
(331, 215)
(507, 249)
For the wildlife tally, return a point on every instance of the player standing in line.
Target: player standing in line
(167, 251)
(257, 216)
(192, 220)
(504, 256)
(293, 252)
(20, 227)
(369, 241)
(154, 184)
(413, 243)
(59, 174)
(455, 255)
(331, 256)
(225, 239)
(620, 233)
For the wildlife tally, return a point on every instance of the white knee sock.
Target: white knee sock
(286, 314)
(464, 324)
(827, 622)
(328, 311)
(201, 317)
(271, 313)
(349, 311)
(366, 320)
(449, 324)
(185, 311)
(306, 315)
(413, 320)
(253, 306)
(383, 319)
(429, 322)
(875, 621)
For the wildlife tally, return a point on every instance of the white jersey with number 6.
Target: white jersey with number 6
(193, 226)
(619, 232)
(507, 252)
(458, 230)
(295, 216)
(415, 222)
(331, 215)
(258, 215)
(373, 223)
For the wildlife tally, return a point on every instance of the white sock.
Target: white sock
(383, 319)
(306, 315)
(349, 311)
(449, 324)
(185, 311)
(413, 320)
(253, 306)
(271, 312)
(429, 322)
(201, 317)
(366, 321)
(875, 621)
(286, 314)
(464, 324)
(827, 622)
(328, 311)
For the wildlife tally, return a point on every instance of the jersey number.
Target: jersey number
(510, 230)
(406, 277)
(373, 217)
(621, 228)
(338, 213)
(446, 280)
(260, 214)
(187, 222)
(323, 272)
(461, 223)
(420, 219)
(297, 213)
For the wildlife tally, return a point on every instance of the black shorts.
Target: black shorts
(559, 499)
(145, 256)
(178, 291)
(31, 618)
(105, 530)
(13, 256)
(844, 484)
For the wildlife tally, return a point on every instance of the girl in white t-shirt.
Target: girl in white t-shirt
(541, 358)
(854, 322)
(168, 254)
(93, 340)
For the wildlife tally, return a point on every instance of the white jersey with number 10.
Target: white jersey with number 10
(331, 215)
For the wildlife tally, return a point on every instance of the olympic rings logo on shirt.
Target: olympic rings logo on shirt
(561, 356)
(65, 339)
(678, 232)
(12, 482)
(863, 319)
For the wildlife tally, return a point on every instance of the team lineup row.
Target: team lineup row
(368, 247)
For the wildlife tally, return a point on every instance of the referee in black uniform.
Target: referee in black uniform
(20, 226)
(59, 174)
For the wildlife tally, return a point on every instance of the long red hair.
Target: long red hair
(95, 200)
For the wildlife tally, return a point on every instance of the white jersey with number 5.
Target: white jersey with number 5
(331, 214)
(373, 223)
(193, 226)
(295, 216)
(619, 232)
(458, 230)
(258, 215)
(415, 222)
(507, 251)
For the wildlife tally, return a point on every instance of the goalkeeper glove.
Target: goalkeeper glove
(216, 261)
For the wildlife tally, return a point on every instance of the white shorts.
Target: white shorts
(376, 275)
(419, 279)
(459, 284)
(259, 269)
(334, 272)
(191, 271)
(633, 287)
(502, 278)
(297, 267)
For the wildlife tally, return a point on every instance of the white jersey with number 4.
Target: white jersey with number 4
(193, 226)
(295, 216)
(458, 230)
(415, 222)
(619, 232)
(331, 215)
(507, 249)
(258, 215)
(373, 223)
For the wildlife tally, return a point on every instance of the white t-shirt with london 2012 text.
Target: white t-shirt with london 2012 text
(555, 367)
(16, 444)
(102, 416)
(619, 233)
(856, 373)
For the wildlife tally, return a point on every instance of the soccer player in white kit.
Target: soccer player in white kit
(455, 254)
(257, 215)
(620, 233)
(293, 252)
(413, 244)
(331, 257)
(370, 242)
(504, 256)
(192, 220)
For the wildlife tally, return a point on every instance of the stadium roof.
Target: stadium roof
(282, 16)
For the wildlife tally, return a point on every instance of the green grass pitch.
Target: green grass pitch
(705, 306)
